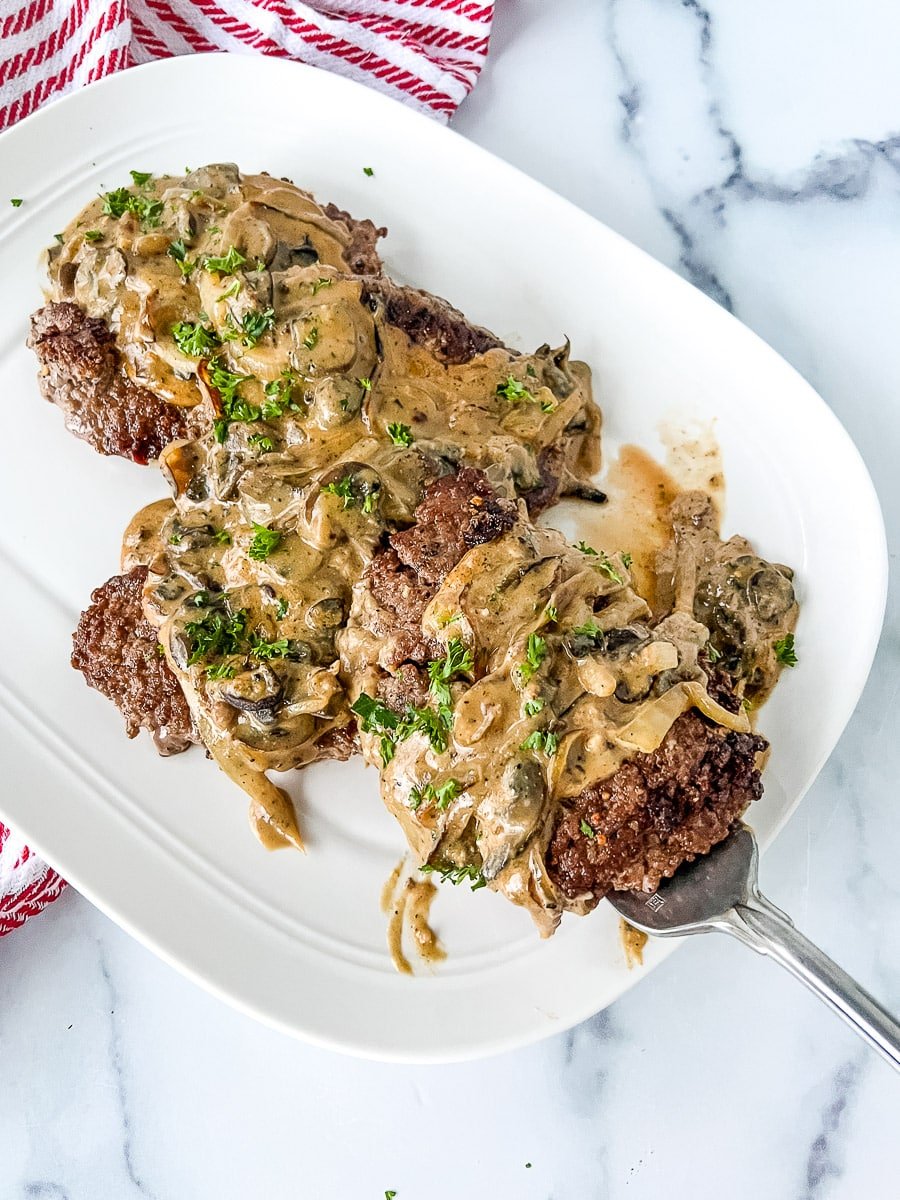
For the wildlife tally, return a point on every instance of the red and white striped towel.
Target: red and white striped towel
(427, 53)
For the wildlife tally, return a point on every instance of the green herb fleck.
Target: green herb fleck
(365, 384)
(178, 252)
(224, 264)
(216, 634)
(312, 338)
(321, 283)
(121, 201)
(16, 201)
(627, 560)
(585, 548)
(400, 435)
(605, 567)
(223, 537)
(59, 237)
(141, 177)
(533, 707)
(281, 610)
(264, 650)
(587, 830)
(279, 397)
(255, 324)
(265, 542)
(542, 739)
(376, 717)
(232, 290)
(457, 875)
(513, 390)
(441, 796)
(458, 660)
(93, 235)
(552, 613)
(784, 651)
(535, 653)
(368, 171)
(712, 653)
(221, 670)
(195, 340)
(261, 442)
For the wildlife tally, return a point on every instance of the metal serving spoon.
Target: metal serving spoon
(720, 891)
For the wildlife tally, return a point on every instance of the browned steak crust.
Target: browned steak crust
(117, 650)
(430, 322)
(456, 513)
(339, 743)
(361, 255)
(657, 811)
(82, 374)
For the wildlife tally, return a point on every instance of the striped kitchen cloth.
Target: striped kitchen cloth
(427, 53)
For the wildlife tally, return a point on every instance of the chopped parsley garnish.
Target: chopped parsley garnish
(278, 397)
(16, 201)
(535, 653)
(281, 610)
(552, 613)
(224, 264)
(312, 338)
(456, 875)
(368, 170)
(784, 651)
(223, 537)
(195, 340)
(265, 542)
(376, 717)
(400, 435)
(221, 670)
(234, 406)
(175, 539)
(366, 499)
(261, 442)
(626, 558)
(365, 384)
(590, 629)
(712, 653)
(93, 235)
(59, 237)
(141, 177)
(233, 290)
(542, 739)
(392, 728)
(533, 707)
(254, 325)
(321, 283)
(216, 634)
(264, 650)
(441, 796)
(178, 252)
(605, 566)
(121, 201)
(212, 228)
(458, 660)
(513, 390)
(389, 1195)
(587, 830)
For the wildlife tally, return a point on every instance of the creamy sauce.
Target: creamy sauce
(633, 943)
(323, 423)
(408, 902)
(636, 519)
(229, 294)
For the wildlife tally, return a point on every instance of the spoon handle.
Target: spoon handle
(759, 924)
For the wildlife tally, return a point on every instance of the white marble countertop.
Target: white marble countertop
(756, 149)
